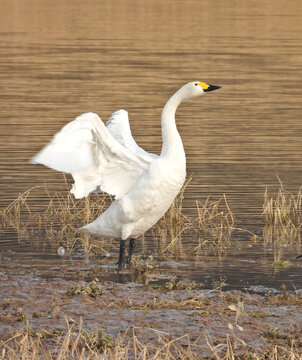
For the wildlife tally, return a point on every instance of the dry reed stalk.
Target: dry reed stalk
(283, 217)
(227, 350)
(195, 303)
(214, 224)
(63, 215)
(11, 215)
(78, 344)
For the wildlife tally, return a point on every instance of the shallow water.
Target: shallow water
(60, 60)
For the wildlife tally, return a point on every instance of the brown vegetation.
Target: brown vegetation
(211, 227)
(283, 217)
(76, 343)
(283, 222)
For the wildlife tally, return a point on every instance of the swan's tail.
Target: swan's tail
(83, 229)
(89, 229)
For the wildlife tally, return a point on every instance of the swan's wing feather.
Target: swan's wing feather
(115, 171)
(119, 167)
(119, 127)
(72, 149)
(97, 161)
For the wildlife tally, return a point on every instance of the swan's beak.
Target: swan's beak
(212, 87)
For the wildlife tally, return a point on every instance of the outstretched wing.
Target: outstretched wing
(97, 161)
(119, 127)
(72, 148)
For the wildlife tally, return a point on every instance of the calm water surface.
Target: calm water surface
(60, 59)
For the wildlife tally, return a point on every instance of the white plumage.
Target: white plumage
(106, 158)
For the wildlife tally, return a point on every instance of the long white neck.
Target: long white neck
(172, 143)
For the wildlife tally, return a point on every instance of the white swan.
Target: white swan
(106, 158)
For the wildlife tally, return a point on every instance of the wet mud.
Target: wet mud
(255, 319)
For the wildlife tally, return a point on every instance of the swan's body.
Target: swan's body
(106, 158)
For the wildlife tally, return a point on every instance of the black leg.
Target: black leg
(131, 249)
(122, 259)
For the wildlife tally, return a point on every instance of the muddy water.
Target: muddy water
(58, 60)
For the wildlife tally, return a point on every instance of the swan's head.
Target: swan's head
(196, 88)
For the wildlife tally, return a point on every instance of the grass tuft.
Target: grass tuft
(79, 344)
(283, 217)
(98, 339)
(215, 224)
(62, 215)
(283, 222)
(92, 289)
(173, 284)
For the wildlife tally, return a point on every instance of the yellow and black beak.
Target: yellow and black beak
(212, 87)
(207, 87)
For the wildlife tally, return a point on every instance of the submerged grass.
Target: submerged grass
(211, 227)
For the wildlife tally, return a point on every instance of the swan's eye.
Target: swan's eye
(196, 84)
